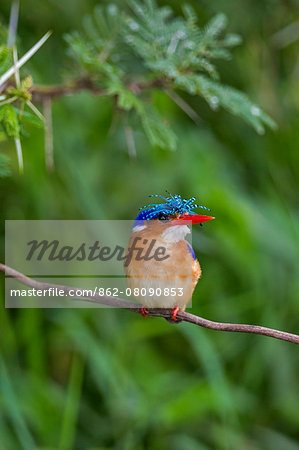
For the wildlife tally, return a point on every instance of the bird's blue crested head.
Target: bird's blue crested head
(174, 204)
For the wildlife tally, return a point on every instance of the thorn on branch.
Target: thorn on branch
(49, 147)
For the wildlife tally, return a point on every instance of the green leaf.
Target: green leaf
(158, 132)
(5, 59)
(126, 99)
(232, 100)
(9, 121)
(216, 25)
(149, 42)
(190, 14)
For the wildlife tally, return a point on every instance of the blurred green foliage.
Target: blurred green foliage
(87, 379)
(128, 55)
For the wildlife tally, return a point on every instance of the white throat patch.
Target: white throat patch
(138, 228)
(175, 233)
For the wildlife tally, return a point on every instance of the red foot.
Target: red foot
(144, 312)
(174, 313)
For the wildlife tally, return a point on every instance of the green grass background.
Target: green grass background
(106, 379)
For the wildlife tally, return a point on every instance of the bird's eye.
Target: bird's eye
(163, 218)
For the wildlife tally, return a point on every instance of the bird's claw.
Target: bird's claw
(174, 313)
(144, 312)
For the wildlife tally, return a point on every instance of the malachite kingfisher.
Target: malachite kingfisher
(167, 279)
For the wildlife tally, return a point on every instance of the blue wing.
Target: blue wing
(190, 250)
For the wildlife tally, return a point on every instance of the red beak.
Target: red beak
(194, 218)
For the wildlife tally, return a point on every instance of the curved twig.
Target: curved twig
(115, 302)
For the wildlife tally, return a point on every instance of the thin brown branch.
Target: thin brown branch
(84, 84)
(115, 302)
(39, 93)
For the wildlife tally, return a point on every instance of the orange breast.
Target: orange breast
(165, 283)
